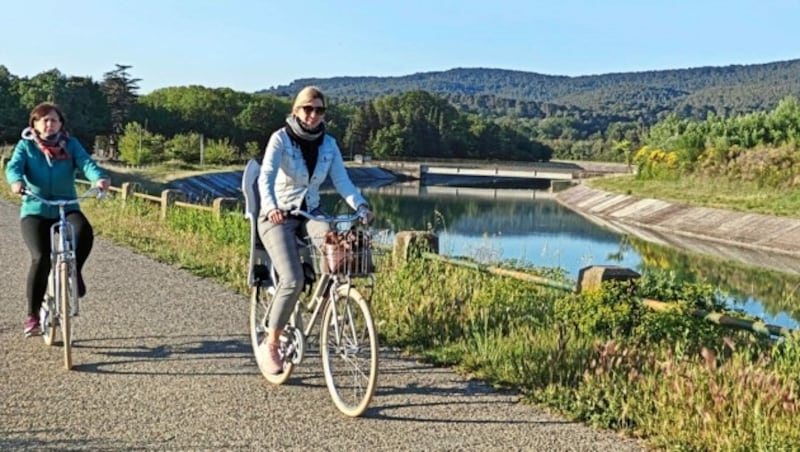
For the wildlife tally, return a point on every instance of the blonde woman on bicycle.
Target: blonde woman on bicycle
(45, 161)
(298, 159)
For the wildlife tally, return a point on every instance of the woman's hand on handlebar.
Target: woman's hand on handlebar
(103, 184)
(276, 216)
(365, 213)
(17, 187)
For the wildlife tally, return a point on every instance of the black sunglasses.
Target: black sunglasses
(308, 109)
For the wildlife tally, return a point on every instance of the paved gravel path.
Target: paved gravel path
(162, 361)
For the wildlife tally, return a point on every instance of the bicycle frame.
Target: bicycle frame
(62, 253)
(329, 283)
(348, 342)
(319, 300)
(63, 274)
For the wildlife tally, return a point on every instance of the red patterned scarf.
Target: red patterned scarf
(54, 146)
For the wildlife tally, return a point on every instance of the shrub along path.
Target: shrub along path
(162, 361)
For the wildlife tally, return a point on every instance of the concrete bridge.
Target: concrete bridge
(415, 189)
(532, 172)
(421, 170)
(553, 170)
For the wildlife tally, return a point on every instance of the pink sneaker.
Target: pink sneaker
(271, 358)
(31, 326)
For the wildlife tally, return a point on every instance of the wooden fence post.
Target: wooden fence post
(593, 276)
(127, 190)
(222, 204)
(411, 244)
(168, 198)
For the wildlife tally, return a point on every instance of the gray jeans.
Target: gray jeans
(281, 245)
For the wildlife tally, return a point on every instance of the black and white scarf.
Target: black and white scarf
(308, 140)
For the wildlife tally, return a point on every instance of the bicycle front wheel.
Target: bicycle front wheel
(260, 305)
(66, 293)
(349, 348)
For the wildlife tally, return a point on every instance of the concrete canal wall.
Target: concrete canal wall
(765, 241)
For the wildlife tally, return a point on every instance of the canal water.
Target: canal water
(491, 225)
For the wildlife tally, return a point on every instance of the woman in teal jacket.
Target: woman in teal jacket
(45, 161)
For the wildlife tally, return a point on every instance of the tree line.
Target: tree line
(462, 113)
(176, 122)
(585, 117)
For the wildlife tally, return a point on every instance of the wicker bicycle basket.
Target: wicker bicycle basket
(347, 253)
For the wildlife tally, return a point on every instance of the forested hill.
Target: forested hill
(460, 113)
(644, 95)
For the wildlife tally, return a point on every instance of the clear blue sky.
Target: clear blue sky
(249, 45)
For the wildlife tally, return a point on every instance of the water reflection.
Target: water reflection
(530, 226)
(765, 293)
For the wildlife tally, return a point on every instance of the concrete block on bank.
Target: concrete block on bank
(560, 185)
(410, 244)
(592, 277)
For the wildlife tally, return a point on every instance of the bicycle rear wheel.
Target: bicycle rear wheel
(48, 313)
(349, 347)
(48, 316)
(65, 321)
(260, 305)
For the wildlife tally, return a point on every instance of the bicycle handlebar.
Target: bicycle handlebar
(92, 192)
(327, 218)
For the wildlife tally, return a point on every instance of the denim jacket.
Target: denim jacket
(284, 180)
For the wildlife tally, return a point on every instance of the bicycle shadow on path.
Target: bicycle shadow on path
(413, 399)
(174, 355)
(408, 388)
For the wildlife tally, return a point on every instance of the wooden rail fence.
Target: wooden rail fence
(167, 199)
(173, 198)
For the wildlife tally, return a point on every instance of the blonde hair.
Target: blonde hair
(306, 95)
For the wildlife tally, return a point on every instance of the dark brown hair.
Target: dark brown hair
(44, 109)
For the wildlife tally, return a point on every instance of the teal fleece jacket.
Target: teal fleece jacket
(49, 179)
